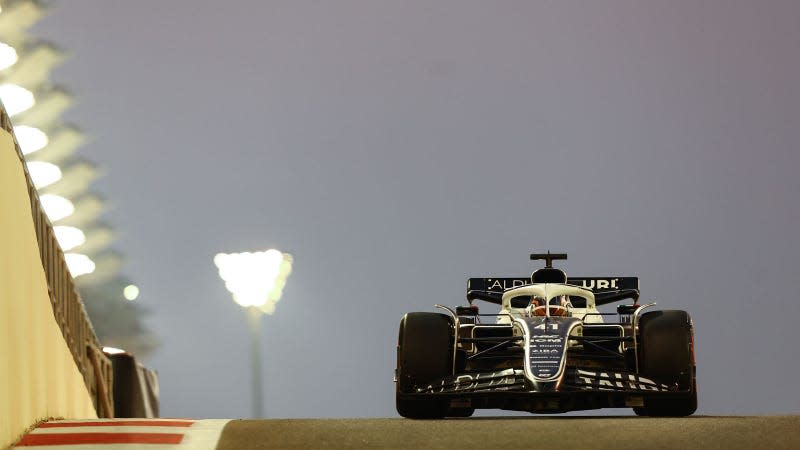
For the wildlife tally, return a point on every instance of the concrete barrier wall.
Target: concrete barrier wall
(39, 377)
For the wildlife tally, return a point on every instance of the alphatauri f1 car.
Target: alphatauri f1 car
(548, 350)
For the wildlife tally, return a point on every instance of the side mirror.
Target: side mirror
(626, 309)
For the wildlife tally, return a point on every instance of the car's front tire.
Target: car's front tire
(666, 356)
(424, 354)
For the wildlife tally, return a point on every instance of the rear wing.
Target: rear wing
(606, 290)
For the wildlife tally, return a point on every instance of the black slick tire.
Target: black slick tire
(666, 355)
(424, 355)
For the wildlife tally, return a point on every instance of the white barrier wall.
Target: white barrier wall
(38, 376)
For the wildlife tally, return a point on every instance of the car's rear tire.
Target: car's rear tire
(666, 356)
(424, 355)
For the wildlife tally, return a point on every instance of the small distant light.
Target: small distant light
(8, 56)
(43, 173)
(113, 350)
(131, 292)
(30, 139)
(69, 237)
(56, 207)
(79, 264)
(16, 98)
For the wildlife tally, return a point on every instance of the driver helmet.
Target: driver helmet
(558, 305)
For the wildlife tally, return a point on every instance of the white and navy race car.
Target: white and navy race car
(548, 350)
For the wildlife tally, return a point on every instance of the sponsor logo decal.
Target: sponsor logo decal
(615, 381)
(599, 283)
(547, 346)
(505, 283)
(490, 381)
(596, 284)
(545, 353)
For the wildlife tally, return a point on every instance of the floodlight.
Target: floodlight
(30, 139)
(51, 102)
(16, 98)
(79, 264)
(87, 209)
(61, 143)
(77, 175)
(56, 207)
(43, 173)
(8, 56)
(69, 237)
(255, 279)
(36, 61)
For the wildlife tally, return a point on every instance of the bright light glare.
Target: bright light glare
(69, 237)
(113, 350)
(79, 264)
(131, 292)
(8, 56)
(30, 139)
(56, 207)
(43, 173)
(255, 279)
(15, 98)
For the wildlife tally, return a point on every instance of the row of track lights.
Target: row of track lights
(16, 100)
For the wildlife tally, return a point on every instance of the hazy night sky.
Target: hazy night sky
(397, 148)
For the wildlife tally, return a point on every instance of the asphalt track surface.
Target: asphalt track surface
(706, 432)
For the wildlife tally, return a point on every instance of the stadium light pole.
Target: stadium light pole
(256, 281)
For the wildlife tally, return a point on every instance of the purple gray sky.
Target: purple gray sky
(397, 148)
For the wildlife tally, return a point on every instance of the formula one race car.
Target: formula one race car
(548, 350)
